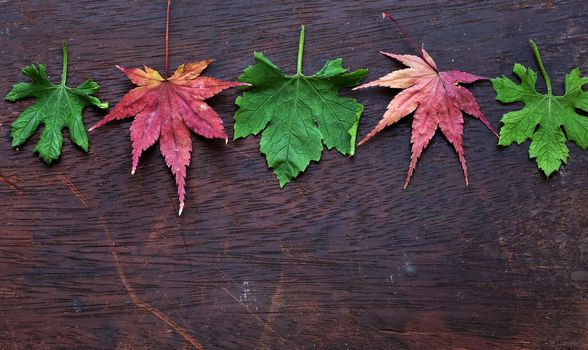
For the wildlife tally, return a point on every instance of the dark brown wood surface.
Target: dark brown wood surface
(343, 257)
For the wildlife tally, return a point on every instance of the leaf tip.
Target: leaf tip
(408, 176)
(367, 137)
(181, 209)
(283, 181)
(133, 171)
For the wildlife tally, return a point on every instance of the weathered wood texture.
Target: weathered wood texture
(342, 258)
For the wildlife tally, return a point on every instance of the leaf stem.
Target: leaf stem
(540, 62)
(300, 51)
(390, 17)
(167, 40)
(64, 71)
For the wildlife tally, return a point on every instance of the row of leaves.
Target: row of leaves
(298, 114)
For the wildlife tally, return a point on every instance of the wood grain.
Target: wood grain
(343, 257)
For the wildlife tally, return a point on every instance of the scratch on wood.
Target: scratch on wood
(261, 321)
(228, 279)
(275, 304)
(10, 184)
(73, 189)
(136, 301)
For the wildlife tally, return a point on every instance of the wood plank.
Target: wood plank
(343, 257)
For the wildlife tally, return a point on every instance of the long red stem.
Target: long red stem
(386, 15)
(167, 41)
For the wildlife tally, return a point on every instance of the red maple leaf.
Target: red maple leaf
(436, 100)
(167, 109)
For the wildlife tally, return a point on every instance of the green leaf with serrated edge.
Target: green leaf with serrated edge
(297, 114)
(57, 107)
(547, 120)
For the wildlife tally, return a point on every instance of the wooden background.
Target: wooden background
(343, 257)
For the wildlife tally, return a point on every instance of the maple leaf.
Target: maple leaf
(543, 115)
(435, 98)
(57, 107)
(167, 109)
(298, 113)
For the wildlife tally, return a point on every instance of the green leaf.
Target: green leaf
(57, 107)
(544, 115)
(298, 113)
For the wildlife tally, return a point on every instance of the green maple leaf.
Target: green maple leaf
(543, 116)
(57, 107)
(298, 113)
